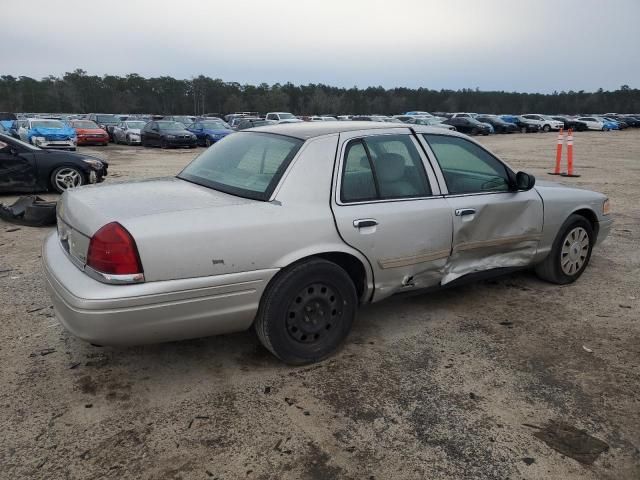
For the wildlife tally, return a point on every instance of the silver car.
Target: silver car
(128, 132)
(290, 228)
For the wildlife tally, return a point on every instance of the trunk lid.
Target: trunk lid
(81, 212)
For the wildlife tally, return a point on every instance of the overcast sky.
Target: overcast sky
(513, 45)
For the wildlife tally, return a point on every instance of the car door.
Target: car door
(493, 226)
(17, 169)
(387, 205)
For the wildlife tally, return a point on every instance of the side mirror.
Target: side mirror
(524, 181)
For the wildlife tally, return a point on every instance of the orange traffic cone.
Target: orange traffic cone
(558, 154)
(570, 156)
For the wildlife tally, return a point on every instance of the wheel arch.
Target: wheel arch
(356, 266)
(591, 216)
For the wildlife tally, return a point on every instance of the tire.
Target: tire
(474, 131)
(523, 130)
(546, 129)
(567, 246)
(143, 142)
(66, 177)
(307, 312)
(163, 144)
(128, 140)
(207, 142)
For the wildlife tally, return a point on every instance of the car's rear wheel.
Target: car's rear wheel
(306, 312)
(570, 253)
(64, 178)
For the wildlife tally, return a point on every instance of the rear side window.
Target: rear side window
(383, 167)
(244, 164)
(466, 167)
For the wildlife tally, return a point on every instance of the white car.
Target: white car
(322, 118)
(594, 123)
(545, 122)
(282, 117)
(47, 133)
(128, 132)
(464, 115)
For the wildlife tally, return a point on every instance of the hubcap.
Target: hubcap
(575, 249)
(314, 314)
(68, 178)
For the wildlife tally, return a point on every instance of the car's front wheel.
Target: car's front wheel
(546, 128)
(570, 253)
(307, 311)
(207, 142)
(64, 178)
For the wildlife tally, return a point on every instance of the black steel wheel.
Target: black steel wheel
(307, 311)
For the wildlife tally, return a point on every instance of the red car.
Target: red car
(89, 133)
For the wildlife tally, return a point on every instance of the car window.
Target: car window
(383, 167)
(466, 167)
(245, 164)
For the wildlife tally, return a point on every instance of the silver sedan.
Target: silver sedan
(291, 228)
(128, 132)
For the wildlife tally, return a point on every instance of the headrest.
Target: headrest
(390, 167)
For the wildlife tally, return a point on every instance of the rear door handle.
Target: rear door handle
(460, 212)
(365, 222)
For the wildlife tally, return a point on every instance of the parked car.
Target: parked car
(106, 121)
(245, 123)
(88, 133)
(167, 133)
(183, 119)
(595, 123)
(499, 125)
(128, 132)
(47, 133)
(322, 118)
(209, 132)
(523, 124)
(621, 124)
(397, 209)
(430, 121)
(571, 123)
(26, 168)
(7, 120)
(280, 116)
(546, 122)
(468, 125)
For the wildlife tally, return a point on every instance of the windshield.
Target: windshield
(183, 119)
(84, 124)
(213, 125)
(135, 125)
(47, 124)
(246, 164)
(107, 119)
(168, 125)
(285, 116)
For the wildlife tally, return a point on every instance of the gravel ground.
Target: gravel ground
(464, 383)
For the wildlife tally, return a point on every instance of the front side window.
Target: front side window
(246, 164)
(466, 167)
(383, 167)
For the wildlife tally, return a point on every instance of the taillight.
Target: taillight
(112, 250)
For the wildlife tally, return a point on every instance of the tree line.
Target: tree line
(78, 92)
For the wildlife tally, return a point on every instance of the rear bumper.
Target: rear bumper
(149, 312)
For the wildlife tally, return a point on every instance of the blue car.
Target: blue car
(609, 124)
(210, 131)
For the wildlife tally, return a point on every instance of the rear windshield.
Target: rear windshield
(84, 124)
(246, 164)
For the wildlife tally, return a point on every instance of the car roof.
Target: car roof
(306, 130)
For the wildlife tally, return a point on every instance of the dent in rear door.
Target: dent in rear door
(407, 240)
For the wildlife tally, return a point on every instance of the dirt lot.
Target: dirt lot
(457, 384)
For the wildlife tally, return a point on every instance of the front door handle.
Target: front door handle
(365, 222)
(461, 212)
